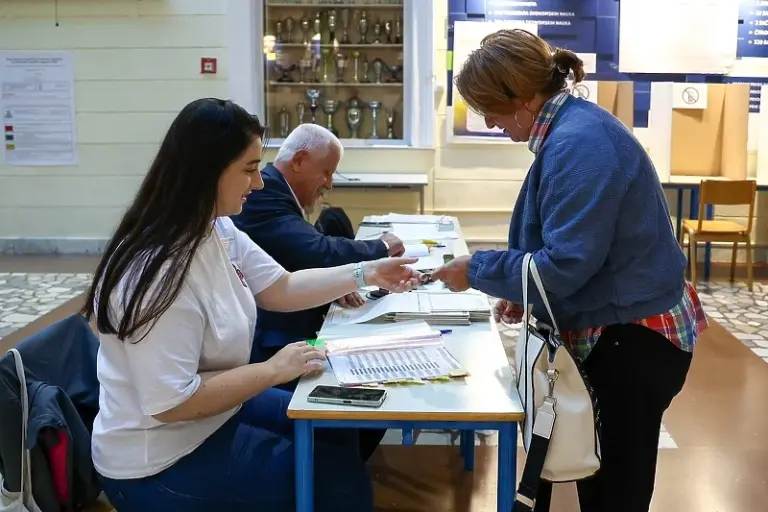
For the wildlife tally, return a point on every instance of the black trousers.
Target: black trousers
(635, 373)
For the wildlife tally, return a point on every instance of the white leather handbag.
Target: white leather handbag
(561, 426)
(21, 501)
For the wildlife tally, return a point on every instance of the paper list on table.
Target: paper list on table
(380, 366)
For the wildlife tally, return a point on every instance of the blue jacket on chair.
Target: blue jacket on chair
(60, 368)
(274, 220)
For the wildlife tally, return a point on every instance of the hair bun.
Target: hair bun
(565, 60)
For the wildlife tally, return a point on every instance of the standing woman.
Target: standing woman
(185, 422)
(592, 212)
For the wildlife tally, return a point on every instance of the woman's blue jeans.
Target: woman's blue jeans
(248, 464)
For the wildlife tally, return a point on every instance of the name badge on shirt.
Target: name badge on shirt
(240, 274)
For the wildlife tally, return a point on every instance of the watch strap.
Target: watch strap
(359, 275)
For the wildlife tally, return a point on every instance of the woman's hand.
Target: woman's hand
(508, 312)
(454, 274)
(391, 274)
(295, 360)
(353, 300)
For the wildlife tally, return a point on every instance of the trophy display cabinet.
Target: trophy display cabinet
(341, 64)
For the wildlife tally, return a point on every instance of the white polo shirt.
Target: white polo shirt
(208, 327)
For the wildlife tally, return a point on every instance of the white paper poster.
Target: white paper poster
(37, 108)
(689, 96)
(586, 90)
(678, 36)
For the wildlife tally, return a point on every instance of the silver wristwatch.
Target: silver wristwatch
(359, 276)
(386, 244)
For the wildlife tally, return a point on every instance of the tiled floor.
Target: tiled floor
(26, 296)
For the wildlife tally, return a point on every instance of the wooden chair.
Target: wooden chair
(715, 192)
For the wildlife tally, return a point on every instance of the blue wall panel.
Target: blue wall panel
(592, 26)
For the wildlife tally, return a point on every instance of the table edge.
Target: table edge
(405, 416)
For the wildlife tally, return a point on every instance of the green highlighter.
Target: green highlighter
(316, 343)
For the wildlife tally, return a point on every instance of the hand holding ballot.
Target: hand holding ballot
(454, 274)
(392, 274)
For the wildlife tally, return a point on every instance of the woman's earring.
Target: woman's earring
(533, 120)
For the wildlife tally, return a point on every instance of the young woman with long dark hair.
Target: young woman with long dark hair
(185, 421)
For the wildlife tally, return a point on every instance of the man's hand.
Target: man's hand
(396, 247)
(353, 300)
(454, 274)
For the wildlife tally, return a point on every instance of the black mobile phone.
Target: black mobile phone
(377, 294)
(364, 397)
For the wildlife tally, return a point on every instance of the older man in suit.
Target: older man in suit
(274, 218)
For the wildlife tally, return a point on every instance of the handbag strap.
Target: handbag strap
(529, 268)
(528, 488)
(26, 473)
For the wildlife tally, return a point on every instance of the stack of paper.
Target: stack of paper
(401, 218)
(391, 358)
(434, 307)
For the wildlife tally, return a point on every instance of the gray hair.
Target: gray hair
(309, 137)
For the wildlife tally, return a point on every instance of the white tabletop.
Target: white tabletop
(487, 394)
(381, 180)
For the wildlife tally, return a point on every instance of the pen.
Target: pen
(446, 331)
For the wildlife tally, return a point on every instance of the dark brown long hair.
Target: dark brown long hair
(170, 216)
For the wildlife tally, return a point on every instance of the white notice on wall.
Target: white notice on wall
(678, 36)
(37, 105)
(586, 90)
(689, 96)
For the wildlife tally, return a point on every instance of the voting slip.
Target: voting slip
(392, 359)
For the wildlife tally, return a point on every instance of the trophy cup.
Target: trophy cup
(395, 72)
(378, 69)
(317, 25)
(284, 118)
(304, 24)
(313, 95)
(316, 58)
(355, 67)
(366, 67)
(345, 27)
(290, 25)
(362, 25)
(377, 32)
(389, 117)
(329, 107)
(399, 30)
(354, 117)
(283, 69)
(279, 31)
(388, 31)
(301, 109)
(341, 64)
(326, 56)
(305, 63)
(332, 27)
(374, 106)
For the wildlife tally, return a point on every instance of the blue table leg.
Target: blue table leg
(507, 479)
(708, 250)
(304, 441)
(467, 440)
(407, 436)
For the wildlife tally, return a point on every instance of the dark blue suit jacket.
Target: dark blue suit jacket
(274, 220)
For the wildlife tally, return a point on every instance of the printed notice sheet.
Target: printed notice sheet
(37, 108)
(393, 365)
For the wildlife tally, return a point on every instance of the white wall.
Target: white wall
(136, 64)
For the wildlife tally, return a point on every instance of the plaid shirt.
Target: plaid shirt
(681, 325)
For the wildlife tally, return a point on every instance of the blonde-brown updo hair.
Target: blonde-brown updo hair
(514, 64)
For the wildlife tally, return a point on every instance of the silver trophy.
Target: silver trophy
(290, 26)
(377, 32)
(313, 95)
(341, 62)
(329, 107)
(388, 32)
(304, 25)
(366, 68)
(399, 30)
(354, 117)
(332, 27)
(284, 119)
(305, 64)
(326, 55)
(317, 27)
(345, 27)
(378, 66)
(374, 106)
(301, 109)
(279, 31)
(389, 117)
(362, 26)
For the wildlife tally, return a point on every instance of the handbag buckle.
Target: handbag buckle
(552, 375)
